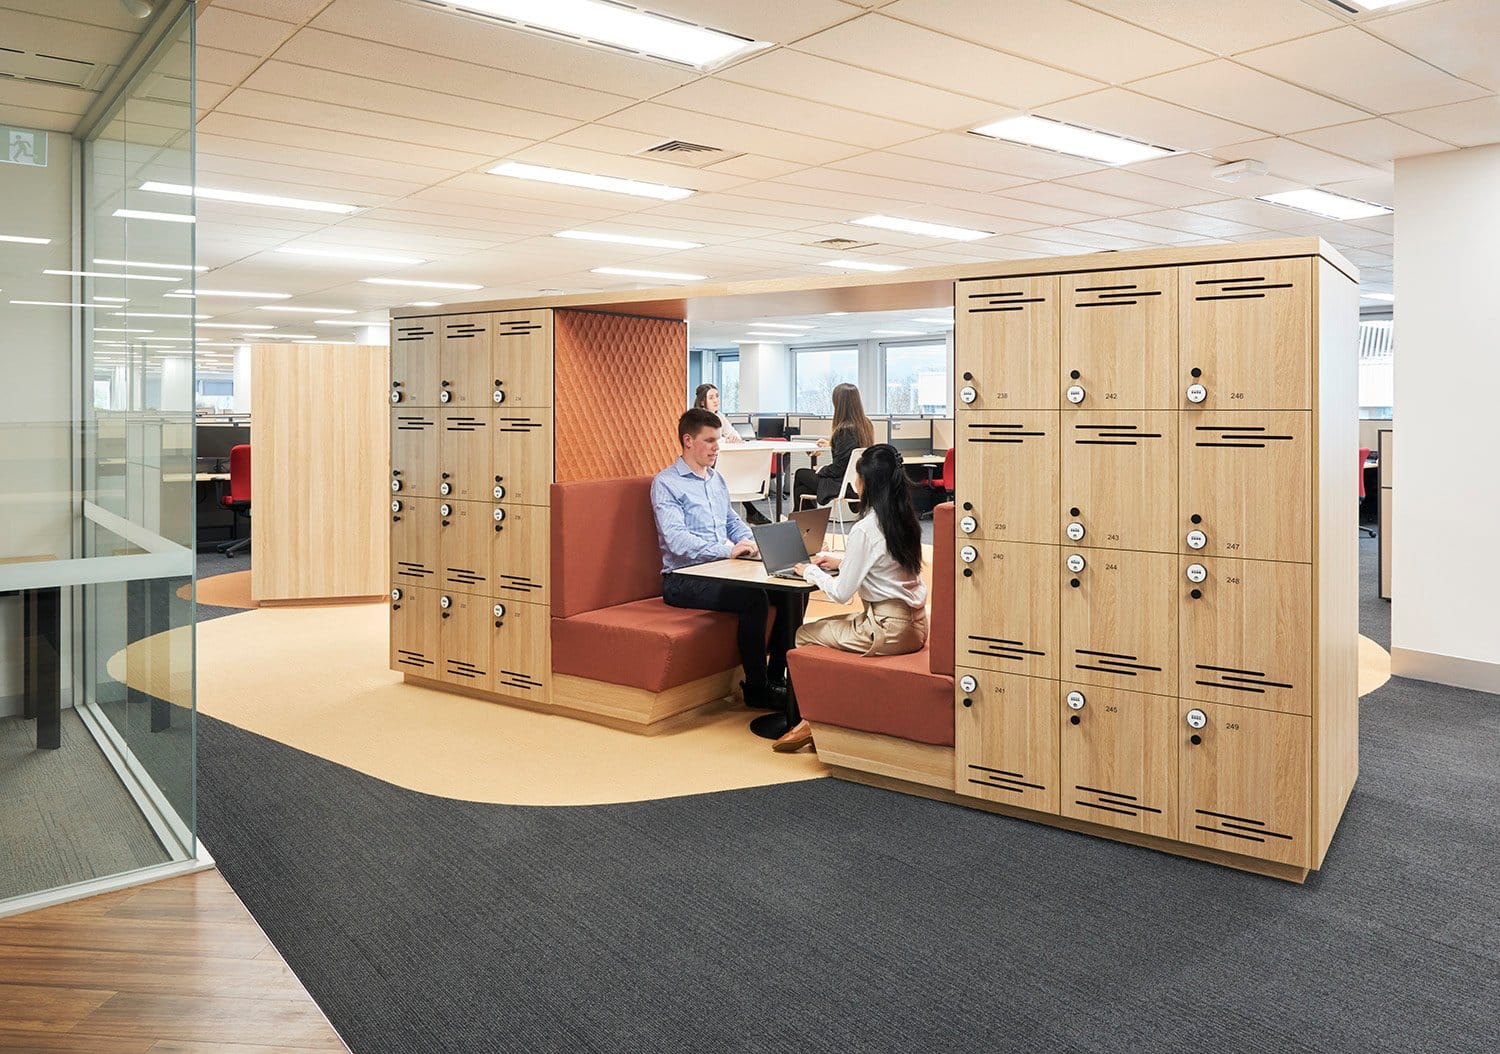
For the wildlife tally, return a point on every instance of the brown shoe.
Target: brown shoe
(797, 737)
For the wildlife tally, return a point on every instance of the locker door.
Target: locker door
(1246, 485)
(1119, 619)
(464, 639)
(465, 454)
(522, 456)
(1119, 758)
(464, 361)
(1247, 631)
(521, 366)
(415, 554)
(414, 362)
(1243, 781)
(1245, 335)
(1007, 475)
(1119, 340)
(1005, 739)
(520, 638)
(414, 453)
(414, 631)
(1119, 480)
(1006, 606)
(520, 546)
(1006, 331)
(464, 546)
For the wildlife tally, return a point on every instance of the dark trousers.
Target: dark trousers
(807, 482)
(752, 605)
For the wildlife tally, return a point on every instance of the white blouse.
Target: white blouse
(728, 434)
(869, 568)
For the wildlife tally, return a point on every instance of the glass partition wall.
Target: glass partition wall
(98, 485)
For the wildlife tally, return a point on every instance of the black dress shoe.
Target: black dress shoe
(764, 696)
(755, 516)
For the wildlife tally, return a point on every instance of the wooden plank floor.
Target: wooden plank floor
(175, 967)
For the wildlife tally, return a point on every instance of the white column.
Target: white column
(765, 378)
(1445, 575)
(119, 388)
(242, 379)
(177, 383)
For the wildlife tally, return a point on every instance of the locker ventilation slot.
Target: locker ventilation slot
(1250, 287)
(407, 569)
(1236, 680)
(463, 330)
(1238, 827)
(1114, 801)
(1012, 301)
(1245, 437)
(412, 658)
(459, 668)
(1011, 781)
(517, 424)
(518, 329)
(512, 679)
(1113, 662)
(1114, 295)
(518, 584)
(464, 424)
(1112, 435)
(414, 332)
(1000, 648)
(414, 424)
(463, 576)
(1000, 433)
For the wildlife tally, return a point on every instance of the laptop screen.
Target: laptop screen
(780, 546)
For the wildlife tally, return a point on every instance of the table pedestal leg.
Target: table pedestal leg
(774, 726)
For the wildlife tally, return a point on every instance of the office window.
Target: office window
(1377, 364)
(817, 371)
(728, 381)
(916, 378)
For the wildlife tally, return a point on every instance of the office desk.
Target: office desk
(193, 477)
(753, 573)
(789, 447)
(41, 638)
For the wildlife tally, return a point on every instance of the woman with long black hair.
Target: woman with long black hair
(882, 562)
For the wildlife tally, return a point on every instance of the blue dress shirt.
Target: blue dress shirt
(695, 522)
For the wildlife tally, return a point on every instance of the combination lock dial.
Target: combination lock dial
(499, 492)
(445, 396)
(445, 602)
(396, 594)
(1075, 393)
(1196, 573)
(1076, 562)
(1196, 539)
(499, 610)
(1075, 700)
(1196, 393)
(968, 682)
(395, 396)
(968, 554)
(395, 486)
(1196, 718)
(445, 489)
(967, 394)
(1075, 531)
(395, 506)
(445, 509)
(499, 396)
(499, 513)
(968, 525)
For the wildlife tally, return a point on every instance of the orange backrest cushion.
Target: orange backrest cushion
(940, 625)
(604, 546)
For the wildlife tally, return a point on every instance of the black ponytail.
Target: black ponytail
(887, 493)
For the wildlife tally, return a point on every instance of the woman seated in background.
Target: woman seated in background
(851, 430)
(882, 561)
(707, 398)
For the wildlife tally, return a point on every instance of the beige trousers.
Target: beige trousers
(886, 627)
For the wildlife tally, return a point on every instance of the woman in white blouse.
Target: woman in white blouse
(707, 398)
(882, 562)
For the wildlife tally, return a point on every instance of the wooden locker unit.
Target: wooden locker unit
(1006, 603)
(1119, 340)
(1003, 462)
(1247, 478)
(464, 549)
(414, 453)
(1246, 335)
(520, 649)
(464, 639)
(1243, 780)
(521, 456)
(1005, 739)
(414, 632)
(1119, 480)
(1118, 756)
(465, 454)
(1240, 638)
(416, 557)
(1005, 347)
(414, 362)
(1119, 619)
(521, 362)
(465, 374)
(520, 546)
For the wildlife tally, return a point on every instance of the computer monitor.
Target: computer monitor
(770, 427)
(216, 441)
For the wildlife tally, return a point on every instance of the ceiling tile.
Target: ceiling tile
(777, 21)
(298, 11)
(650, 169)
(1298, 162)
(1136, 231)
(1196, 170)
(434, 162)
(1248, 97)
(306, 157)
(45, 120)
(1088, 202)
(1376, 141)
(1150, 120)
(1124, 183)
(1343, 235)
(933, 173)
(1219, 27)
(977, 151)
(222, 67)
(752, 167)
(1090, 239)
(1055, 32)
(741, 102)
(85, 41)
(219, 27)
(1350, 64)
(1197, 223)
(885, 45)
(1458, 36)
(1475, 123)
(1380, 189)
(669, 122)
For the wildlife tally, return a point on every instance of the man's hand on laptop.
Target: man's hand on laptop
(745, 548)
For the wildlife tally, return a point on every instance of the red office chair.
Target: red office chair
(1364, 454)
(237, 500)
(776, 465)
(943, 486)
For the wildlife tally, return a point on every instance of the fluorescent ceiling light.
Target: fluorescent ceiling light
(633, 272)
(245, 198)
(143, 263)
(217, 344)
(165, 217)
(1380, 5)
(1072, 140)
(350, 254)
(628, 239)
(179, 295)
(860, 265)
(620, 26)
(589, 181)
(288, 336)
(1326, 203)
(23, 240)
(57, 303)
(773, 336)
(233, 325)
(343, 322)
(112, 274)
(834, 314)
(143, 314)
(114, 299)
(898, 333)
(308, 310)
(419, 284)
(1388, 298)
(236, 292)
(120, 329)
(931, 230)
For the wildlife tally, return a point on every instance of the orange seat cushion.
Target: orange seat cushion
(891, 695)
(645, 644)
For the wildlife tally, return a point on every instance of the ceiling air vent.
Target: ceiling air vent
(52, 69)
(841, 244)
(681, 152)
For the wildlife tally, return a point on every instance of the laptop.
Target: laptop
(781, 548)
(813, 523)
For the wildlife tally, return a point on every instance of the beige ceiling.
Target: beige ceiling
(400, 106)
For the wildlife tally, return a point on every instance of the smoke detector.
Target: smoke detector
(1238, 170)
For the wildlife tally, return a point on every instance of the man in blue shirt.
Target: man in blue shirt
(697, 524)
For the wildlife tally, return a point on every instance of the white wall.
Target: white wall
(765, 378)
(1445, 613)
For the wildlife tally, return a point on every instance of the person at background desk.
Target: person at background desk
(695, 524)
(707, 398)
(882, 562)
(851, 430)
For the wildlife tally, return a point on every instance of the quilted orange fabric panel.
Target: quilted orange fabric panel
(620, 383)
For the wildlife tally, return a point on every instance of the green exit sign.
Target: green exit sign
(23, 146)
